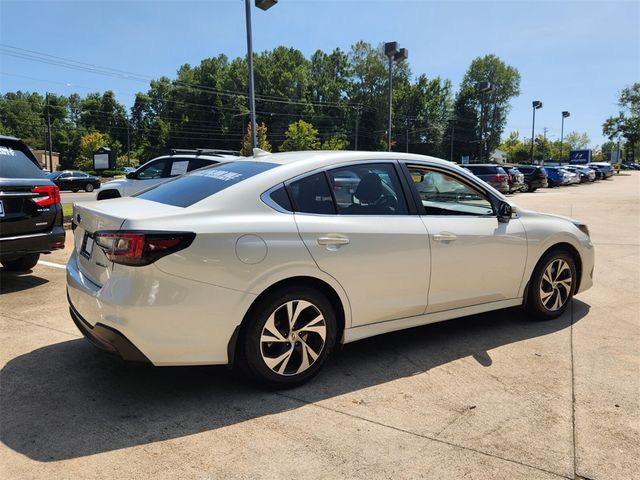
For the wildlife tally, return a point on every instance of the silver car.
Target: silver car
(272, 261)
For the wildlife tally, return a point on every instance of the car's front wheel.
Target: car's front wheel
(88, 187)
(552, 285)
(22, 264)
(288, 337)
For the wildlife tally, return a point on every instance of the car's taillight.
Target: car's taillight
(136, 248)
(50, 195)
(499, 178)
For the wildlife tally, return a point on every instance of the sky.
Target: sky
(572, 55)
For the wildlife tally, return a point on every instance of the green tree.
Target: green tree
(506, 85)
(300, 136)
(627, 122)
(335, 142)
(89, 143)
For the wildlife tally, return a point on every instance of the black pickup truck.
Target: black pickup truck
(30, 209)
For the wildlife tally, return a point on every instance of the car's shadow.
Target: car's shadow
(69, 400)
(16, 282)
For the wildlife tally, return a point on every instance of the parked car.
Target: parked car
(257, 263)
(535, 176)
(605, 168)
(494, 175)
(161, 169)
(515, 178)
(556, 176)
(30, 210)
(126, 170)
(74, 180)
(586, 174)
(571, 177)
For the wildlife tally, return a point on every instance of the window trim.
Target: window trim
(267, 200)
(491, 198)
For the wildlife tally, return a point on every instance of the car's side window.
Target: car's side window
(196, 163)
(153, 170)
(311, 194)
(444, 194)
(368, 189)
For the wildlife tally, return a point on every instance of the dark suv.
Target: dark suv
(494, 175)
(30, 209)
(535, 177)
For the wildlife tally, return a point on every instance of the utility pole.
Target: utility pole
(128, 143)
(544, 145)
(358, 109)
(49, 131)
(453, 131)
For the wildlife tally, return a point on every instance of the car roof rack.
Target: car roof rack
(203, 151)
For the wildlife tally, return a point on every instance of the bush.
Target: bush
(109, 173)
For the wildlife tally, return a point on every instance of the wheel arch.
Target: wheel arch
(296, 281)
(559, 246)
(108, 193)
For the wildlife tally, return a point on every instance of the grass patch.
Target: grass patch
(67, 210)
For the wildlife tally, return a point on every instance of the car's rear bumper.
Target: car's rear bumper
(16, 246)
(169, 320)
(107, 338)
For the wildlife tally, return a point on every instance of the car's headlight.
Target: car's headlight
(583, 228)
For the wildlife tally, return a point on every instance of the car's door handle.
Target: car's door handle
(444, 237)
(333, 240)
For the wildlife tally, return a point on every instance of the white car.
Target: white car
(161, 169)
(270, 261)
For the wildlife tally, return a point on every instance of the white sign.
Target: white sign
(101, 161)
(465, 159)
(179, 167)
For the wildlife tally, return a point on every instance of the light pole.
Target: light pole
(392, 50)
(484, 88)
(262, 5)
(565, 114)
(49, 130)
(536, 104)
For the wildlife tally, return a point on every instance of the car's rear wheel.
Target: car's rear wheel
(552, 285)
(525, 187)
(288, 337)
(88, 187)
(22, 264)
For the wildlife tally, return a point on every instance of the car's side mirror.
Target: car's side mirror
(131, 175)
(505, 212)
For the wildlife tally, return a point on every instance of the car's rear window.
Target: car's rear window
(188, 189)
(526, 169)
(16, 161)
(482, 169)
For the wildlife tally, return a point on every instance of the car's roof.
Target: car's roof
(7, 137)
(330, 157)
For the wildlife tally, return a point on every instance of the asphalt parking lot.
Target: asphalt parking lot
(487, 396)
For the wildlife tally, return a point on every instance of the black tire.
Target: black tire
(532, 190)
(74, 190)
(21, 264)
(544, 309)
(253, 351)
(107, 194)
(525, 187)
(88, 187)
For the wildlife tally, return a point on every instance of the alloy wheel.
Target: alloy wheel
(555, 285)
(293, 337)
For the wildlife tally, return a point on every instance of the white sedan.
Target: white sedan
(269, 262)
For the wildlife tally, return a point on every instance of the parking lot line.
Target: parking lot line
(51, 264)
